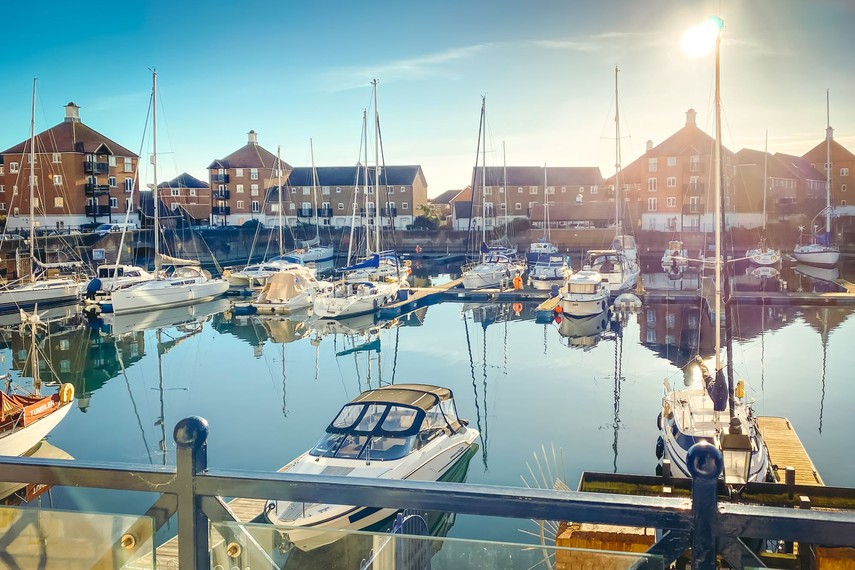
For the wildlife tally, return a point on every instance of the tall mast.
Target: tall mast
(617, 159)
(157, 262)
(32, 184)
(505, 185)
(314, 189)
(279, 188)
(484, 169)
(376, 171)
(545, 205)
(718, 193)
(765, 177)
(828, 137)
(363, 143)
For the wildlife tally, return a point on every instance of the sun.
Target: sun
(700, 40)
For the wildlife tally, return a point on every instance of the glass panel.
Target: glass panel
(261, 546)
(35, 538)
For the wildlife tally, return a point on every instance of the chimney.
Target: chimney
(72, 113)
(648, 145)
(691, 118)
(252, 137)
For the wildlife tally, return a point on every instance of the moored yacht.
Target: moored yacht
(403, 431)
(586, 295)
(550, 270)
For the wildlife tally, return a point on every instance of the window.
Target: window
(651, 204)
(175, 191)
(111, 160)
(173, 206)
(488, 190)
(238, 172)
(550, 190)
(651, 317)
(594, 189)
(843, 202)
(2, 188)
(58, 202)
(306, 190)
(128, 205)
(843, 187)
(255, 206)
(238, 188)
(532, 189)
(651, 336)
(13, 168)
(670, 320)
(404, 189)
(1, 169)
(253, 174)
(844, 172)
(36, 202)
(671, 202)
(57, 179)
(128, 165)
(519, 190)
(695, 162)
(293, 190)
(56, 158)
(340, 206)
(129, 185)
(2, 206)
(563, 189)
(517, 206)
(651, 185)
(239, 204)
(192, 191)
(253, 189)
(114, 202)
(111, 181)
(671, 182)
(292, 206)
(672, 161)
(652, 165)
(325, 190)
(338, 189)
(405, 206)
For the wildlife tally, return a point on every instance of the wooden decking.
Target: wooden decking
(786, 450)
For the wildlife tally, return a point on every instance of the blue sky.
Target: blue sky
(298, 70)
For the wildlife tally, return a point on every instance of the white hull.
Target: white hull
(367, 298)
(39, 293)
(764, 257)
(816, 254)
(490, 275)
(316, 254)
(577, 307)
(163, 293)
(22, 440)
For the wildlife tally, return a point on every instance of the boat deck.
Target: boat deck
(786, 450)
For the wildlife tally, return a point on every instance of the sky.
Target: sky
(294, 71)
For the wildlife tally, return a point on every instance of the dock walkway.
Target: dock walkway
(786, 450)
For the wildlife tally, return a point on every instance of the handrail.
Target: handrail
(194, 491)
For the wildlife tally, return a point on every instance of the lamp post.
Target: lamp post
(736, 453)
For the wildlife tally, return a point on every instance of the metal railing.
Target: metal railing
(194, 492)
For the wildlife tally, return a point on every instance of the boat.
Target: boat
(586, 294)
(312, 251)
(583, 332)
(676, 256)
(547, 268)
(122, 324)
(617, 265)
(763, 255)
(187, 284)
(713, 409)
(496, 264)
(255, 276)
(398, 432)
(820, 251)
(289, 291)
(36, 289)
(26, 419)
(112, 277)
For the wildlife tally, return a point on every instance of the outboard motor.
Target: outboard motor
(93, 287)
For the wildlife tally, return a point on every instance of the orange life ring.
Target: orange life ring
(66, 393)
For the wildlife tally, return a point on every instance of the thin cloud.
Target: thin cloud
(600, 42)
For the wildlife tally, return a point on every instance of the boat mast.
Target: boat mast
(279, 188)
(376, 171)
(484, 169)
(617, 159)
(363, 138)
(315, 194)
(157, 263)
(765, 178)
(717, 215)
(32, 184)
(828, 137)
(545, 205)
(505, 184)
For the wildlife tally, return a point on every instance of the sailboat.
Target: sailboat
(546, 266)
(764, 255)
(494, 266)
(26, 419)
(188, 284)
(820, 251)
(712, 410)
(312, 251)
(31, 291)
(364, 287)
(618, 266)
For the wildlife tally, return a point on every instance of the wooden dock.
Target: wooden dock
(786, 450)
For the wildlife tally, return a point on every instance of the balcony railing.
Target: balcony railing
(96, 189)
(220, 178)
(367, 213)
(91, 167)
(192, 490)
(221, 210)
(325, 212)
(389, 212)
(221, 195)
(97, 210)
(305, 213)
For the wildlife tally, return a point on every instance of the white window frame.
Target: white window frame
(255, 206)
(127, 165)
(14, 167)
(403, 188)
(111, 181)
(253, 174)
(671, 161)
(58, 202)
(114, 202)
(239, 204)
(532, 189)
(340, 206)
(844, 171)
(671, 202)
(111, 161)
(652, 165)
(325, 190)
(191, 191)
(175, 191)
(57, 179)
(56, 157)
(671, 182)
(253, 189)
(652, 204)
(129, 185)
(518, 206)
(238, 172)
(651, 184)
(238, 188)
(405, 206)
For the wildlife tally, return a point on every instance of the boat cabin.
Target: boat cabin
(390, 423)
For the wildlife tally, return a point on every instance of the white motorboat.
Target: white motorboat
(398, 432)
(549, 271)
(676, 256)
(351, 298)
(256, 275)
(112, 277)
(586, 295)
(618, 271)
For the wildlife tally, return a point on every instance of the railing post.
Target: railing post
(191, 437)
(705, 464)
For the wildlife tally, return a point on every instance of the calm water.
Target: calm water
(269, 387)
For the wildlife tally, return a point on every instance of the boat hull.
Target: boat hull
(818, 256)
(365, 301)
(41, 293)
(490, 275)
(165, 293)
(576, 307)
(22, 440)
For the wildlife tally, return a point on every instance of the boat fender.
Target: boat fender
(660, 447)
(558, 309)
(666, 410)
(659, 421)
(740, 389)
(93, 287)
(66, 393)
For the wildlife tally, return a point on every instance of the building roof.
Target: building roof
(184, 180)
(801, 168)
(347, 175)
(687, 141)
(250, 155)
(72, 136)
(445, 198)
(839, 153)
(535, 176)
(775, 167)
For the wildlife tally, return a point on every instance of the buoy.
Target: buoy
(740, 389)
(66, 393)
(660, 447)
(557, 319)
(558, 309)
(517, 308)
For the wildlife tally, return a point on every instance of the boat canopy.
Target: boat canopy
(370, 263)
(281, 287)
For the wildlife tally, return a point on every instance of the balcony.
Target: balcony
(96, 189)
(305, 213)
(97, 210)
(694, 209)
(222, 195)
(698, 188)
(90, 167)
(221, 210)
(389, 212)
(219, 178)
(325, 212)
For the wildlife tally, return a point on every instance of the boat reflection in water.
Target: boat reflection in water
(14, 494)
(119, 324)
(584, 332)
(817, 279)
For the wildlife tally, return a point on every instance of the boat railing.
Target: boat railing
(193, 491)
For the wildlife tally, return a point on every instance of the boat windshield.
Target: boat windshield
(583, 288)
(374, 431)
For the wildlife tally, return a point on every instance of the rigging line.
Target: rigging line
(484, 383)
(475, 391)
(395, 355)
(133, 401)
